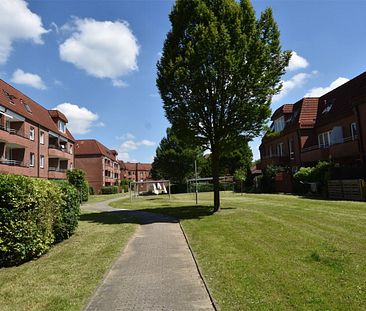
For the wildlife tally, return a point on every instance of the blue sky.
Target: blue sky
(106, 84)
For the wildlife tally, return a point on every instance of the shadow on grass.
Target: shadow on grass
(149, 215)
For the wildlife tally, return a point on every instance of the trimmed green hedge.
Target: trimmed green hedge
(109, 190)
(34, 213)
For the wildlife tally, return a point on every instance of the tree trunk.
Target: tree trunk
(216, 180)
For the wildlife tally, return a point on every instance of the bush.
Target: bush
(109, 190)
(68, 217)
(28, 210)
(76, 177)
(91, 190)
(124, 184)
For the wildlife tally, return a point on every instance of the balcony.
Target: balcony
(12, 135)
(56, 173)
(10, 166)
(346, 148)
(57, 151)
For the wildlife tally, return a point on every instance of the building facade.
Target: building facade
(329, 128)
(34, 141)
(99, 163)
(135, 171)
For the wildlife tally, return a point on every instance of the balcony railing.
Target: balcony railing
(51, 146)
(338, 142)
(12, 162)
(13, 131)
(56, 169)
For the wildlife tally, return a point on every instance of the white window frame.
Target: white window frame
(32, 159)
(353, 130)
(41, 137)
(70, 149)
(41, 161)
(279, 150)
(324, 140)
(291, 149)
(279, 124)
(61, 126)
(31, 133)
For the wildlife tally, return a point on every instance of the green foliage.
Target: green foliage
(124, 184)
(267, 182)
(219, 69)
(174, 159)
(91, 190)
(28, 210)
(76, 177)
(272, 134)
(109, 190)
(318, 174)
(67, 220)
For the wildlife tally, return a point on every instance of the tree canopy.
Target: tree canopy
(219, 69)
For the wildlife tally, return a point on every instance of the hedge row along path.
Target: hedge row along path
(156, 270)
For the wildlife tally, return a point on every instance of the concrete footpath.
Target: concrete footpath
(156, 270)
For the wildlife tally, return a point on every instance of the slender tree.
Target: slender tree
(219, 69)
(174, 159)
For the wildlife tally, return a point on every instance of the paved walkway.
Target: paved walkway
(156, 270)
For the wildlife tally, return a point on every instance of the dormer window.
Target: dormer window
(10, 96)
(327, 106)
(62, 126)
(279, 124)
(26, 106)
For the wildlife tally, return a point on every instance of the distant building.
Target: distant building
(98, 162)
(34, 141)
(331, 127)
(135, 171)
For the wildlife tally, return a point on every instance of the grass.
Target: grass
(68, 274)
(274, 252)
(103, 197)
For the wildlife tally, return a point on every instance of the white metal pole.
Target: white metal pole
(195, 173)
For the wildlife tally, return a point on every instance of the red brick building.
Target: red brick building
(135, 171)
(98, 162)
(34, 141)
(331, 127)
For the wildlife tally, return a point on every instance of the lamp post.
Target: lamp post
(195, 174)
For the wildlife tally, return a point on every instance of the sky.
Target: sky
(96, 60)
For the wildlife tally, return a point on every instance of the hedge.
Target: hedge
(109, 190)
(76, 177)
(67, 220)
(34, 213)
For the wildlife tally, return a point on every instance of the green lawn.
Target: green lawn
(68, 274)
(104, 197)
(274, 252)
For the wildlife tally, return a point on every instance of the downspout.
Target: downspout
(38, 153)
(361, 147)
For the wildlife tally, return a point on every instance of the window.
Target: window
(270, 151)
(41, 138)
(70, 165)
(280, 149)
(71, 149)
(291, 149)
(31, 133)
(41, 161)
(32, 159)
(354, 131)
(324, 140)
(279, 124)
(26, 106)
(62, 126)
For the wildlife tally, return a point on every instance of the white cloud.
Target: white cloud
(130, 145)
(319, 91)
(17, 22)
(127, 136)
(26, 78)
(100, 124)
(297, 62)
(80, 118)
(104, 49)
(296, 81)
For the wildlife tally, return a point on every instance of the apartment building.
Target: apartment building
(331, 127)
(98, 162)
(34, 141)
(135, 171)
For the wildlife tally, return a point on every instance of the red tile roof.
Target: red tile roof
(284, 109)
(58, 115)
(14, 100)
(308, 113)
(132, 166)
(339, 102)
(93, 147)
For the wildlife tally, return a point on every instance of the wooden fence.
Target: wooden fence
(347, 189)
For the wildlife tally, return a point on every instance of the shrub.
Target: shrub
(109, 190)
(76, 177)
(67, 220)
(28, 210)
(124, 184)
(91, 190)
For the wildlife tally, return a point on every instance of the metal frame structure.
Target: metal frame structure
(135, 191)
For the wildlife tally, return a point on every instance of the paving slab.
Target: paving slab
(156, 270)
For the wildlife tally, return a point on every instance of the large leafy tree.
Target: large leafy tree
(219, 69)
(174, 159)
